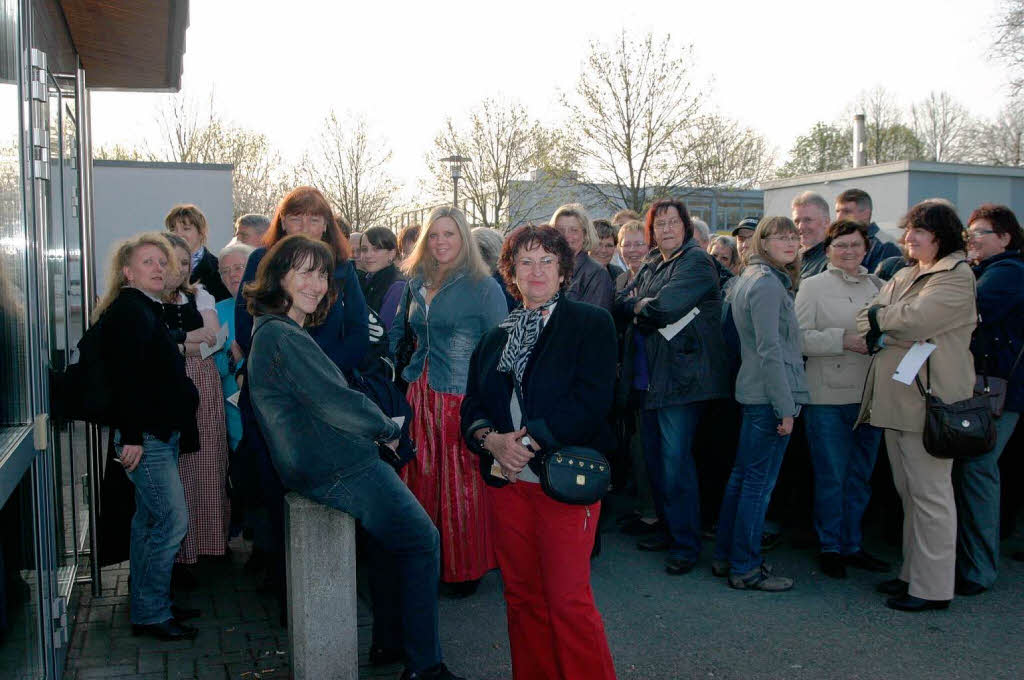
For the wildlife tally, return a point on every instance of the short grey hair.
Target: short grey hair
(701, 227)
(815, 199)
(489, 241)
(259, 222)
(236, 248)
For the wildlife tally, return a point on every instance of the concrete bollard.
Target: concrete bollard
(321, 574)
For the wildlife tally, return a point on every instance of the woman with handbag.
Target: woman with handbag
(451, 302)
(842, 457)
(932, 300)
(343, 336)
(994, 238)
(539, 383)
(674, 353)
(770, 388)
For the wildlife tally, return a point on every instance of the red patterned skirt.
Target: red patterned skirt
(445, 477)
(204, 472)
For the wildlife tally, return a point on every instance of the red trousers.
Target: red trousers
(543, 547)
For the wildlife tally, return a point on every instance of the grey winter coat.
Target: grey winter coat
(693, 365)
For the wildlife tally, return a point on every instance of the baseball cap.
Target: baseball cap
(746, 223)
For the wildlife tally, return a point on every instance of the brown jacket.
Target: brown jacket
(939, 306)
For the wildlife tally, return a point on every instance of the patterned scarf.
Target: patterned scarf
(523, 326)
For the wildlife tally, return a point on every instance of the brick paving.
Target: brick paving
(239, 636)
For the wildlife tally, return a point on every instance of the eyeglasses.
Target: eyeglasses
(233, 269)
(544, 262)
(314, 220)
(660, 225)
(846, 246)
(791, 238)
(970, 234)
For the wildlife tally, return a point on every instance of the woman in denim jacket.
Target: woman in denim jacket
(452, 301)
(770, 388)
(324, 437)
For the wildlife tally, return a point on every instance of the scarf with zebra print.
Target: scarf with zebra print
(523, 326)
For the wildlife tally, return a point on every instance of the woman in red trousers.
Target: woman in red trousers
(542, 380)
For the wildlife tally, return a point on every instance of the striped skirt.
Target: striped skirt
(204, 472)
(445, 477)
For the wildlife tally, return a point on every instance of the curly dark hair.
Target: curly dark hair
(530, 236)
(942, 221)
(266, 295)
(1003, 221)
(661, 206)
(844, 228)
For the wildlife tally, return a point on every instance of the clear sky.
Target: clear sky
(779, 67)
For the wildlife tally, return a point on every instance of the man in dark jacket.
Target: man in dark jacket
(812, 216)
(855, 204)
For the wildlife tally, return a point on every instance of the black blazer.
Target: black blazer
(153, 392)
(568, 385)
(207, 272)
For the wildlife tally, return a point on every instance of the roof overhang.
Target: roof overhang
(129, 44)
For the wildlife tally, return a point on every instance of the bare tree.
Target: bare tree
(888, 136)
(943, 126)
(632, 98)
(503, 144)
(1001, 140)
(350, 168)
(191, 132)
(719, 152)
(1009, 44)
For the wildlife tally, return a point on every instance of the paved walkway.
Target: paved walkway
(659, 627)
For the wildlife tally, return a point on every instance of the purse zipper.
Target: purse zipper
(586, 519)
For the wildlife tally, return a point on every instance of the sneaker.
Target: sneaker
(760, 578)
(719, 568)
(866, 561)
(832, 565)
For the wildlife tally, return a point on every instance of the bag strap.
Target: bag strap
(407, 332)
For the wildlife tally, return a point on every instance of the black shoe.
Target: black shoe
(168, 631)
(656, 543)
(678, 566)
(638, 527)
(909, 603)
(184, 613)
(182, 578)
(893, 586)
(458, 590)
(969, 588)
(769, 540)
(832, 565)
(438, 672)
(385, 656)
(866, 561)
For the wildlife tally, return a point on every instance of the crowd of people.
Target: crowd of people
(425, 381)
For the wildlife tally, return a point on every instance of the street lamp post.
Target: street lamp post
(455, 163)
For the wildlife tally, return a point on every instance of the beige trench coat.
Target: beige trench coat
(938, 305)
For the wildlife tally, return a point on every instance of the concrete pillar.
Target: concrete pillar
(321, 564)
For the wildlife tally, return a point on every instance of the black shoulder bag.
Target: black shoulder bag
(995, 388)
(963, 429)
(406, 346)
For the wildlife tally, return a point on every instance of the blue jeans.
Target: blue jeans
(843, 459)
(159, 524)
(758, 459)
(396, 521)
(976, 489)
(673, 476)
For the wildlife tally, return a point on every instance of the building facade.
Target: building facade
(51, 54)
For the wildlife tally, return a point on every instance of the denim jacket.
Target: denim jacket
(316, 427)
(463, 310)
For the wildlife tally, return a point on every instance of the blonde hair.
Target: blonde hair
(121, 257)
(771, 226)
(188, 213)
(631, 225)
(579, 212)
(421, 263)
(185, 287)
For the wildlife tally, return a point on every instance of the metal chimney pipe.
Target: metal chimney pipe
(859, 141)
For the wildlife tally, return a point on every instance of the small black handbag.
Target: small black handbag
(963, 429)
(575, 475)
